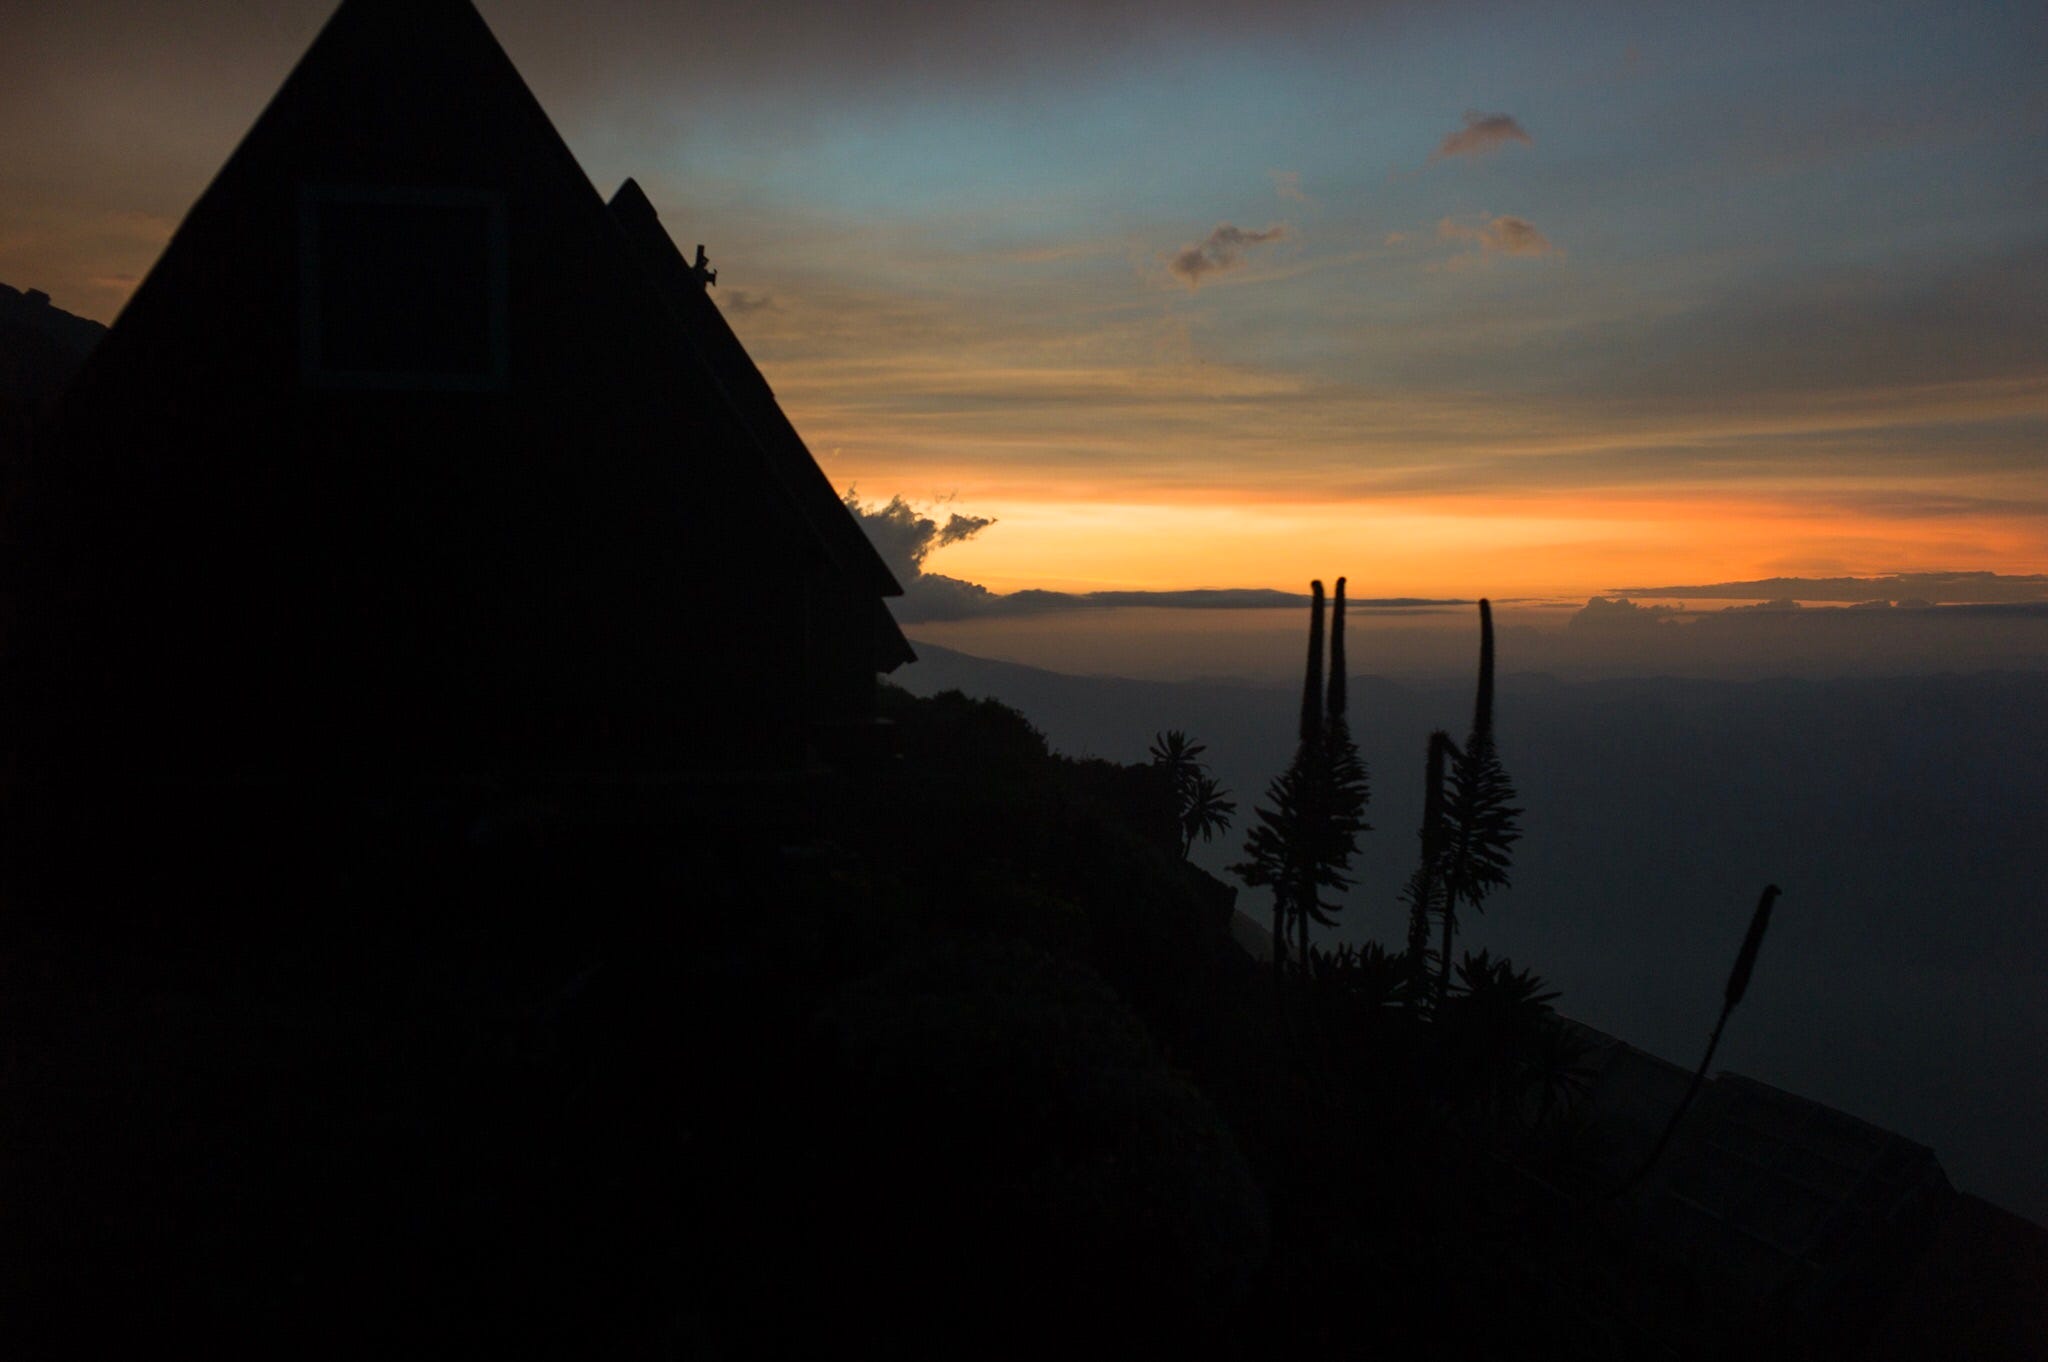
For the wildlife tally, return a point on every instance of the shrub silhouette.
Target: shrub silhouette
(1506, 1054)
(1204, 806)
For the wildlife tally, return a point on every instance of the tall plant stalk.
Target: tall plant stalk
(1339, 700)
(1307, 795)
(1480, 823)
(1302, 840)
(1426, 885)
(1341, 780)
(1738, 984)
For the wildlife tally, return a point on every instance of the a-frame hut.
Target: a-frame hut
(412, 459)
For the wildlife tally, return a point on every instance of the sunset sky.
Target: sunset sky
(1453, 298)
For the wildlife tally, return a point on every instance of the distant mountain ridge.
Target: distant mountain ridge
(41, 346)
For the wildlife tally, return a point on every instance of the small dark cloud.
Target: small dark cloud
(1505, 235)
(1517, 236)
(959, 527)
(1482, 134)
(1287, 184)
(739, 300)
(1222, 250)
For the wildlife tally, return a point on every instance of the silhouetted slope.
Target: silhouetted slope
(1902, 815)
(41, 346)
(465, 1073)
(976, 1068)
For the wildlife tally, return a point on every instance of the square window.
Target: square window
(402, 288)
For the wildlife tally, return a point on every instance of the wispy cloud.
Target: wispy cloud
(1287, 184)
(1222, 250)
(1504, 235)
(1483, 134)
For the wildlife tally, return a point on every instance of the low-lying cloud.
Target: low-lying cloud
(1221, 251)
(1603, 613)
(906, 537)
(1926, 588)
(1781, 636)
(1483, 134)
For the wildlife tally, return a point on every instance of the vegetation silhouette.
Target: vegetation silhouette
(1491, 1113)
(1479, 819)
(1205, 809)
(1731, 996)
(1304, 836)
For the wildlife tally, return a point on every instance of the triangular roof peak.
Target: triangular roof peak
(403, 356)
(415, 25)
(405, 8)
(406, 26)
(405, 106)
(418, 14)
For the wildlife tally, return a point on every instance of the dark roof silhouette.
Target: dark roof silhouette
(412, 456)
(743, 385)
(715, 345)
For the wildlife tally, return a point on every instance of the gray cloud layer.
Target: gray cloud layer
(1781, 637)
(1934, 588)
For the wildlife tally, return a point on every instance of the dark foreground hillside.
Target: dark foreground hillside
(961, 1056)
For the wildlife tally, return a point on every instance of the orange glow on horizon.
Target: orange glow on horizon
(1550, 544)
